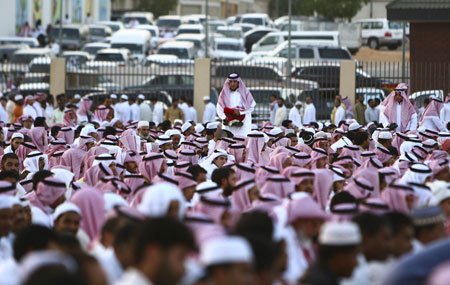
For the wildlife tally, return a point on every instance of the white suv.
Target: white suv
(380, 32)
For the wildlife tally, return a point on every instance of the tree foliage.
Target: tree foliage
(157, 7)
(330, 9)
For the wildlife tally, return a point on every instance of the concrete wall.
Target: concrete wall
(7, 20)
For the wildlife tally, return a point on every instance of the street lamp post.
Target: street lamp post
(206, 30)
(289, 62)
(60, 28)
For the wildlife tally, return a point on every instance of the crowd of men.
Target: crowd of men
(134, 194)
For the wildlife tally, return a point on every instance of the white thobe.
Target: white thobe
(135, 112)
(184, 107)
(273, 111)
(145, 112)
(209, 115)
(445, 113)
(123, 111)
(29, 110)
(48, 112)
(192, 114)
(412, 123)
(294, 116)
(339, 115)
(38, 107)
(310, 114)
(433, 123)
(280, 116)
(3, 114)
(6, 250)
(235, 101)
(158, 113)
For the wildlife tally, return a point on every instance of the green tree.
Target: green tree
(338, 9)
(299, 7)
(157, 7)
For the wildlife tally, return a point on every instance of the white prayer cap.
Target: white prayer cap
(298, 103)
(88, 129)
(212, 125)
(143, 124)
(77, 96)
(141, 96)
(17, 136)
(226, 250)
(354, 126)
(172, 132)
(339, 234)
(113, 96)
(385, 135)
(7, 201)
(199, 128)
(185, 126)
(320, 134)
(206, 98)
(124, 97)
(320, 125)
(178, 121)
(275, 131)
(65, 208)
(207, 186)
(18, 97)
(289, 131)
(163, 139)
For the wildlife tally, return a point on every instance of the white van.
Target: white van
(272, 40)
(181, 49)
(197, 39)
(136, 41)
(257, 19)
(154, 31)
(380, 32)
(144, 18)
(190, 29)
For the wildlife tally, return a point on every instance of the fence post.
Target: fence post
(348, 79)
(58, 76)
(202, 84)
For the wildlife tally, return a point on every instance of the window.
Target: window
(272, 40)
(306, 53)
(365, 25)
(395, 25)
(284, 53)
(109, 57)
(254, 21)
(187, 80)
(328, 53)
(377, 25)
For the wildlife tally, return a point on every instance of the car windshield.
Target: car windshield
(168, 23)
(92, 50)
(113, 27)
(230, 34)
(327, 53)
(179, 52)
(75, 59)
(395, 25)
(141, 20)
(97, 32)
(134, 48)
(188, 31)
(24, 58)
(254, 21)
(227, 46)
(109, 57)
(67, 34)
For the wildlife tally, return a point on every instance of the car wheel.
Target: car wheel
(393, 47)
(373, 43)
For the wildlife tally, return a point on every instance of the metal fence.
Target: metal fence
(320, 80)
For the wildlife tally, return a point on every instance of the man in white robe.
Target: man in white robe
(123, 109)
(157, 111)
(281, 114)
(338, 113)
(445, 111)
(192, 113)
(28, 109)
(273, 108)
(184, 107)
(209, 115)
(430, 119)
(144, 108)
(235, 96)
(310, 111)
(135, 111)
(294, 114)
(397, 109)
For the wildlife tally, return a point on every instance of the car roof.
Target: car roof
(372, 20)
(137, 14)
(70, 26)
(190, 36)
(227, 40)
(98, 26)
(177, 44)
(170, 17)
(229, 28)
(113, 50)
(97, 44)
(190, 26)
(76, 53)
(258, 29)
(33, 51)
(254, 15)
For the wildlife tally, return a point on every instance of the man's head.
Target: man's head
(175, 103)
(10, 162)
(429, 224)
(398, 96)
(298, 105)
(362, 139)
(61, 101)
(140, 98)
(6, 204)
(280, 102)
(234, 84)
(198, 172)
(182, 99)
(67, 218)
(225, 178)
(376, 236)
(143, 129)
(371, 103)
(402, 230)
(360, 98)
(309, 100)
(287, 124)
(377, 101)
(293, 138)
(337, 101)
(273, 97)
(160, 249)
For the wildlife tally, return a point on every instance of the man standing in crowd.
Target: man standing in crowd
(273, 108)
(174, 112)
(360, 110)
(157, 110)
(294, 114)
(338, 113)
(372, 114)
(397, 109)
(144, 109)
(310, 111)
(281, 113)
(209, 115)
(58, 112)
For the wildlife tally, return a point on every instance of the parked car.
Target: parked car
(328, 76)
(165, 60)
(73, 36)
(420, 96)
(33, 81)
(40, 65)
(371, 93)
(113, 25)
(181, 49)
(254, 35)
(154, 34)
(144, 18)
(136, 41)
(215, 24)
(7, 50)
(112, 57)
(25, 56)
(380, 32)
(257, 19)
(93, 48)
(31, 42)
(99, 33)
(76, 59)
(228, 49)
(323, 100)
(272, 40)
(197, 39)
(233, 32)
(190, 29)
(302, 52)
(245, 27)
(169, 23)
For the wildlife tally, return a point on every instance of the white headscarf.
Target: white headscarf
(157, 198)
(31, 163)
